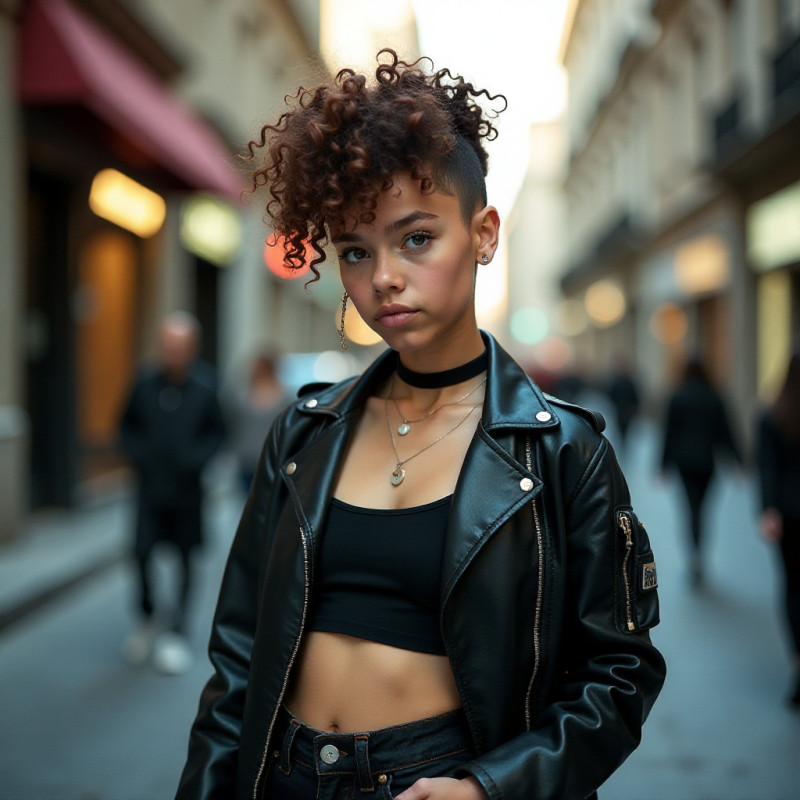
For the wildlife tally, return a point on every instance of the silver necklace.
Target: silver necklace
(398, 474)
(405, 426)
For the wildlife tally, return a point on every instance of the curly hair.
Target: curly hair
(328, 158)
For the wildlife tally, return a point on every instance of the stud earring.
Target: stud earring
(485, 258)
(342, 340)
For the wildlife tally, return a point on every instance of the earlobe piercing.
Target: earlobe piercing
(341, 326)
(485, 258)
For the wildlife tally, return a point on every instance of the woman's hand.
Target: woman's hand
(443, 789)
(772, 524)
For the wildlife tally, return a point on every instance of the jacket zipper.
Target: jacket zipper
(627, 532)
(539, 593)
(306, 594)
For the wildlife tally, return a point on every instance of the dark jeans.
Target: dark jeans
(309, 763)
(695, 483)
(176, 527)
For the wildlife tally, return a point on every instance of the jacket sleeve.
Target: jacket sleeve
(608, 674)
(210, 769)
(210, 435)
(131, 440)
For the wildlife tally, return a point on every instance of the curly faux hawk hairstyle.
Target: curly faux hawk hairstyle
(330, 155)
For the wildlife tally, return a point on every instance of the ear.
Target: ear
(485, 230)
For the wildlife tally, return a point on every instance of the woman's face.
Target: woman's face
(411, 272)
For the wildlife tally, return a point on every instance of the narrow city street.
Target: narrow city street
(78, 723)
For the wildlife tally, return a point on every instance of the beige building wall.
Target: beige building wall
(13, 419)
(655, 201)
(536, 237)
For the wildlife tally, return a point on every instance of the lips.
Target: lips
(394, 315)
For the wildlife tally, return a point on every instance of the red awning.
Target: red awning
(68, 59)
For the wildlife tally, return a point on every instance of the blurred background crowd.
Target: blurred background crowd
(647, 173)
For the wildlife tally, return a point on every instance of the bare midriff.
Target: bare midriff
(345, 684)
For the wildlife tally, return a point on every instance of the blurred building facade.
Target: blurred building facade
(682, 187)
(165, 94)
(535, 237)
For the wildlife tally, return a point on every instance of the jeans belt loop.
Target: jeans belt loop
(286, 748)
(362, 763)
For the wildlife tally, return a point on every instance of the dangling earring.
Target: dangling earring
(341, 326)
(485, 258)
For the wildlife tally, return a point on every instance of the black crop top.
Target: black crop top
(380, 573)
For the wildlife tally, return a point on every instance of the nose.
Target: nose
(387, 275)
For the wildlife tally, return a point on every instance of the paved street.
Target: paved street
(78, 723)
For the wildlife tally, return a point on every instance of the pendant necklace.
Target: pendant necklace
(398, 474)
(405, 426)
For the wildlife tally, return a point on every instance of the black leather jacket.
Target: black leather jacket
(548, 590)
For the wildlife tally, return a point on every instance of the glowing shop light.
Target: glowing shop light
(355, 329)
(668, 324)
(529, 325)
(605, 303)
(274, 252)
(126, 203)
(210, 229)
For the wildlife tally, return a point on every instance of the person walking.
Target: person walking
(251, 413)
(438, 587)
(779, 472)
(623, 392)
(697, 431)
(171, 427)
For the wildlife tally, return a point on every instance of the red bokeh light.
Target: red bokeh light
(274, 250)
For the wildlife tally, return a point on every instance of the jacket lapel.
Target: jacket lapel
(491, 488)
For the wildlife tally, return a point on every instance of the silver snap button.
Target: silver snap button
(544, 416)
(291, 468)
(526, 484)
(329, 754)
(312, 403)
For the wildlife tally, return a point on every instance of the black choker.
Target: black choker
(448, 377)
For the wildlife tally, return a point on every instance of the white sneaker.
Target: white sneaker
(171, 654)
(138, 646)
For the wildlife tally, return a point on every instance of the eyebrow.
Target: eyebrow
(415, 216)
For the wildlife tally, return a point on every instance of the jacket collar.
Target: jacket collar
(512, 399)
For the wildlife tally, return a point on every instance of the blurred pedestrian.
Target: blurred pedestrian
(779, 470)
(251, 413)
(426, 596)
(171, 426)
(696, 433)
(623, 392)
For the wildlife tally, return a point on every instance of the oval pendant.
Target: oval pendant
(403, 428)
(398, 475)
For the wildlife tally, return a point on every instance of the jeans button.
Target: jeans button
(329, 754)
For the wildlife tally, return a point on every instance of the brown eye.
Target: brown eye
(417, 240)
(352, 255)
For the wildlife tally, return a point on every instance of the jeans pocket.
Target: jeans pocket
(443, 767)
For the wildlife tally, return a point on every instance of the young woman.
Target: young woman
(779, 470)
(438, 588)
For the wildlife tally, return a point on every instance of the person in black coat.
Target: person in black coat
(779, 471)
(624, 395)
(697, 430)
(171, 427)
